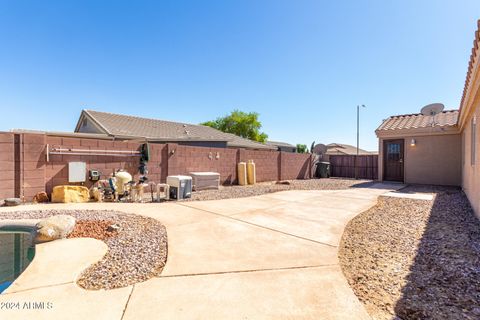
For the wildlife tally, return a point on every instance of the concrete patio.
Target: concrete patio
(268, 257)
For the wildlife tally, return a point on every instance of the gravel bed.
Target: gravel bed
(137, 253)
(228, 192)
(415, 259)
(97, 229)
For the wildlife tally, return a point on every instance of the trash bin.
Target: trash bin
(323, 170)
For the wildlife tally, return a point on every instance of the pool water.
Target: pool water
(16, 253)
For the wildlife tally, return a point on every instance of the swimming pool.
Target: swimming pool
(16, 252)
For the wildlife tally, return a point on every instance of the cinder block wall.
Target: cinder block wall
(25, 170)
(7, 165)
(267, 163)
(185, 159)
(32, 163)
(57, 167)
(295, 166)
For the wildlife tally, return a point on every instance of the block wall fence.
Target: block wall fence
(25, 171)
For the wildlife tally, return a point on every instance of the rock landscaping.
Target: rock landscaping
(269, 187)
(54, 227)
(11, 202)
(415, 259)
(97, 229)
(137, 245)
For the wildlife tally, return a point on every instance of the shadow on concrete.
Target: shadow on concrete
(444, 280)
(429, 189)
(378, 185)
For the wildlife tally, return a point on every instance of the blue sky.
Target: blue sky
(303, 65)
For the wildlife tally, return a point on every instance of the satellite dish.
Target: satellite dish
(319, 149)
(432, 109)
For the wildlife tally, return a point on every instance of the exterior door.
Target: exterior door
(393, 151)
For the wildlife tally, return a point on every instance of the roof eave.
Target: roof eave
(471, 96)
(471, 77)
(259, 147)
(164, 139)
(438, 130)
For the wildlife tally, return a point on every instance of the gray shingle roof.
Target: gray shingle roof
(280, 144)
(415, 121)
(162, 130)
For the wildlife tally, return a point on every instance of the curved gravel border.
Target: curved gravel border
(415, 259)
(137, 253)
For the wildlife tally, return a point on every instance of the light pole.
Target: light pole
(358, 138)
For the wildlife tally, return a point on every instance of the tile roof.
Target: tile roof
(162, 130)
(417, 120)
(473, 55)
(339, 149)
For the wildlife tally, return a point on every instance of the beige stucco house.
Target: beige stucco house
(415, 148)
(467, 123)
(442, 149)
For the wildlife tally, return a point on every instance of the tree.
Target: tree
(302, 148)
(240, 123)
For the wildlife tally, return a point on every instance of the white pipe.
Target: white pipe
(92, 150)
(95, 154)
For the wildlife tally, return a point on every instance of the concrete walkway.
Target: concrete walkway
(268, 257)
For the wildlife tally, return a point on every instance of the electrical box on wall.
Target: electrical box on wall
(94, 175)
(77, 171)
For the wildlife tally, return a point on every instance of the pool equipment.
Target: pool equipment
(94, 175)
(180, 187)
(77, 171)
(163, 192)
(121, 179)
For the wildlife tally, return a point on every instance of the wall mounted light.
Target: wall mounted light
(413, 143)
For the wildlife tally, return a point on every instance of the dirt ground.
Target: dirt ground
(416, 259)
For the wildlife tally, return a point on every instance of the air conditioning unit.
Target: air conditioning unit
(180, 187)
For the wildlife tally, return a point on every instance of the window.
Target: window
(393, 151)
(474, 140)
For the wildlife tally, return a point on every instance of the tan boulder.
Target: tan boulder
(66, 194)
(54, 227)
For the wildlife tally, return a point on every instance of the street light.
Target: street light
(358, 138)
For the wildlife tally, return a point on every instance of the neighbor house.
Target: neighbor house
(338, 149)
(282, 146)
(442, 149)
(125, 127)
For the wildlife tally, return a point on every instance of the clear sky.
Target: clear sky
(303, 65)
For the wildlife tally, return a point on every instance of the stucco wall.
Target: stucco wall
(434, 159)
(471, 173)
